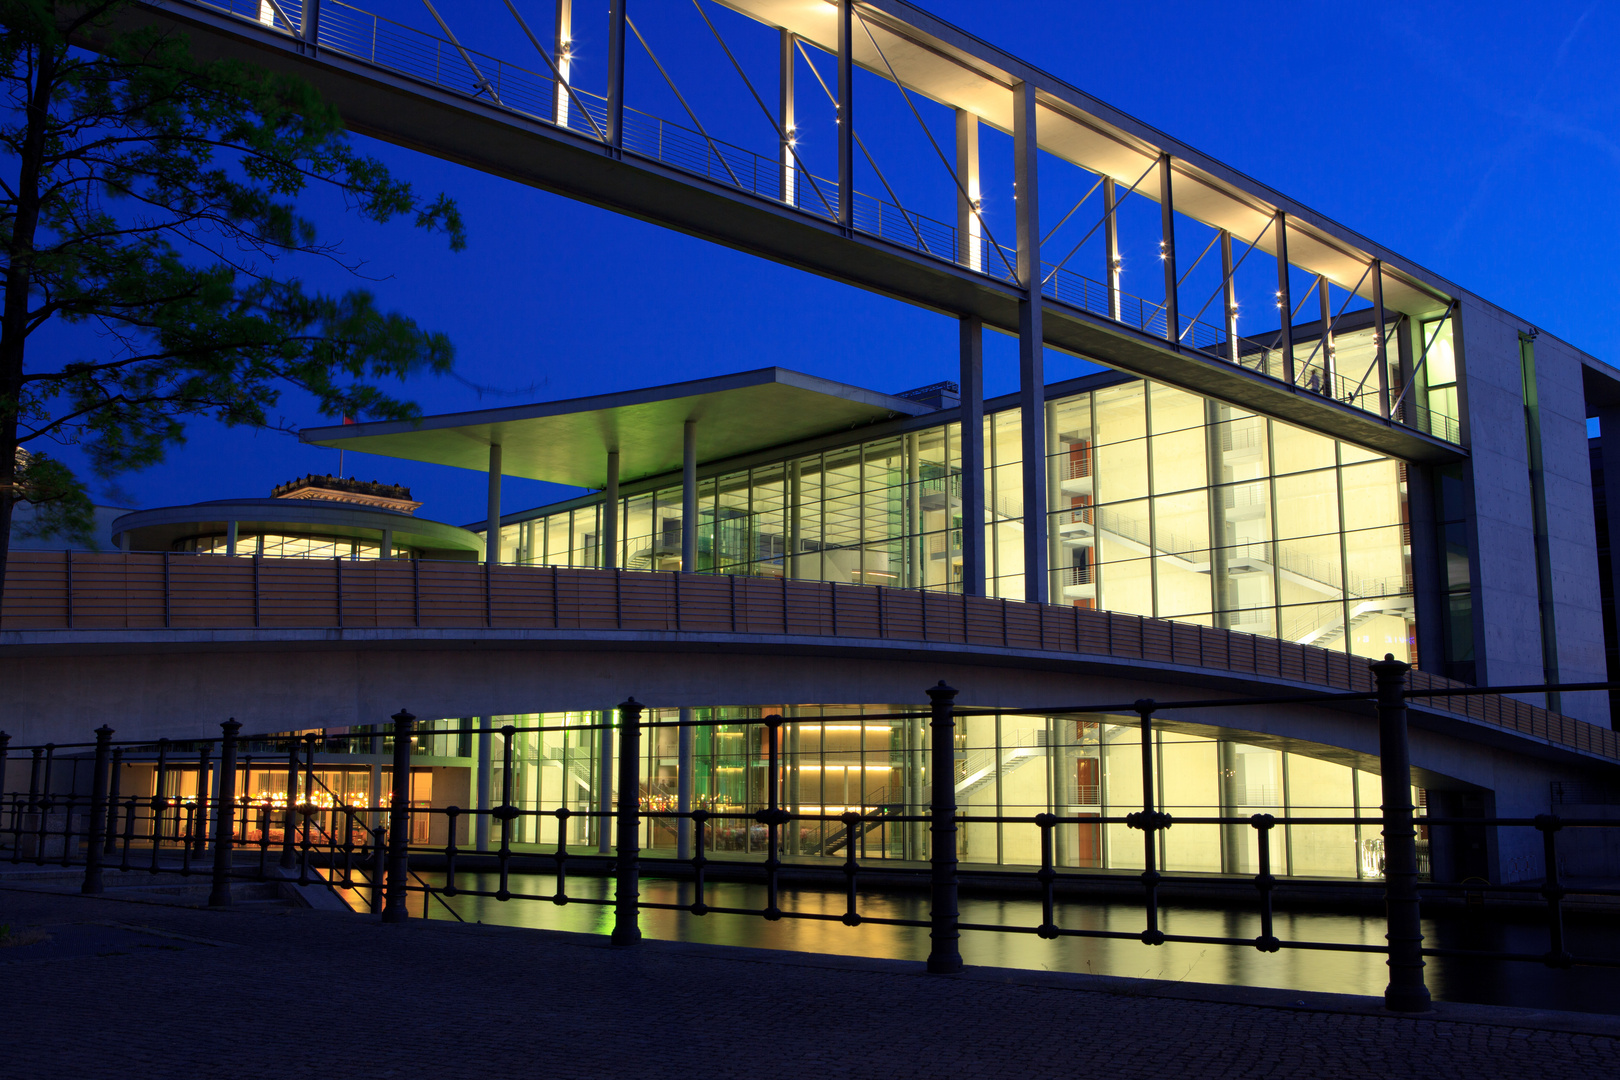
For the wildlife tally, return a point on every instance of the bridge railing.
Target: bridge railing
(230, 836)
(176, 591)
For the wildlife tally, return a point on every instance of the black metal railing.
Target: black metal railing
(368, 850)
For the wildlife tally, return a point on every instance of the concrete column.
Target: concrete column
(795, 501)
(230, 538)
(846, 116)
(969, 229)
(486, 777)
(685, 767)
(972, 479)
(689, 500)
(794, 782)
(1031, 345)
(492, 538)
(386, 550)
(1234, 838)
(1111, 249)
(917, 553)
(604, 785)
(564, 57)
(785, 119)
(610, 514)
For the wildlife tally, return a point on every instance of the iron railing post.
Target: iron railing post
(113, 786)
(160, 803)
(944, 955)
(1406, 991)
(199, 818)
(98, 814)
(399, 821)
(225, 816)
(1552, 890)
(626, 909)
(289, 821)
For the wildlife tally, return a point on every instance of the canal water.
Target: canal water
(1521, 984)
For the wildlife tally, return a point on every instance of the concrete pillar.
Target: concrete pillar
(795, 501)
(1234, 838)
(492, 538)
(486, 776)
(689, 499)
(1031, 344)
(685, 781)
(785, 119)
(969, 197)
(917, 550)
(386, 550)
(565, 61)
(230, 538)
(972, 479)
(610, 514)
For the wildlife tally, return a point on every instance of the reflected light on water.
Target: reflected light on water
(1520, 984)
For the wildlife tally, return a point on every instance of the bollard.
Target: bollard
(1406, 991)
(399, 821)
(945, 955)
(225, 817)
(98, 813)
(626, 910)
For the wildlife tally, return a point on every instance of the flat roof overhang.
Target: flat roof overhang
(157, 529)
(567, 442)
(407, 112)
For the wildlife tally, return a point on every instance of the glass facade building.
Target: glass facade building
(1161, 503)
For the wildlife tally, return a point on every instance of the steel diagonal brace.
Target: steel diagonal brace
(1327, 331)
(870, 160)
(1235, 268)
(555, 72)
(1111, 210)
(898, 85)
(780, 134)
(487, 86)
(1418, 369)
(682, 99)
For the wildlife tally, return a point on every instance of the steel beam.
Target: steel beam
(785, 118)
(972, 390)
(969, 195)
(1229, 299)
(1380, 339)
(564, 45)
(1167, 254)
(1112, 270)
(1031, 343)
(615, 82)
(846, 116)
(1285, 302)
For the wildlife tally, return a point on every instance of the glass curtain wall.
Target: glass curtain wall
(834, 759)
(1161, 503)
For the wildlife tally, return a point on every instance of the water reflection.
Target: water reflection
(1525, 985)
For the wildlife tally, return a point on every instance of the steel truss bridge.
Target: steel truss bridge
(524, 118)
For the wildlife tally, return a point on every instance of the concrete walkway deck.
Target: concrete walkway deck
(138, 990)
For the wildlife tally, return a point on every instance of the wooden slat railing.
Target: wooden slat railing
(155, 591)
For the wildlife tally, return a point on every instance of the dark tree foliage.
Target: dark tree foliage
(150, 199)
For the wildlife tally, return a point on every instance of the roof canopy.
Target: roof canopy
(567, 442)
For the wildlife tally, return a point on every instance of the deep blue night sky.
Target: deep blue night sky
(1481, 140)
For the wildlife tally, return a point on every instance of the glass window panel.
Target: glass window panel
(1378, 562)
(1296, 450)
(1319, 624)
(1320, 789)
(1307, 503)
(1121, 471)
(1179, 461)
(1240, 446)
(1175, 410)
(1121, 413)
(1189, 787)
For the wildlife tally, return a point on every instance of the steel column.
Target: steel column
(1031, 344)
(1380, 342)
(969, 197)
(846, 116)
(944, 955)
(492, 538)
(1406, 991)
(786, 121)
(626, 909)
(399, 821)
(1324, 342)
(1167, 253)
(225, 817)
(609, 525)
(685, 782)
(689, 499)
(971, 331)
(1285, 303)
(615, 80)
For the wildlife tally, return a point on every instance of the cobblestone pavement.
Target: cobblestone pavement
(140, 991)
